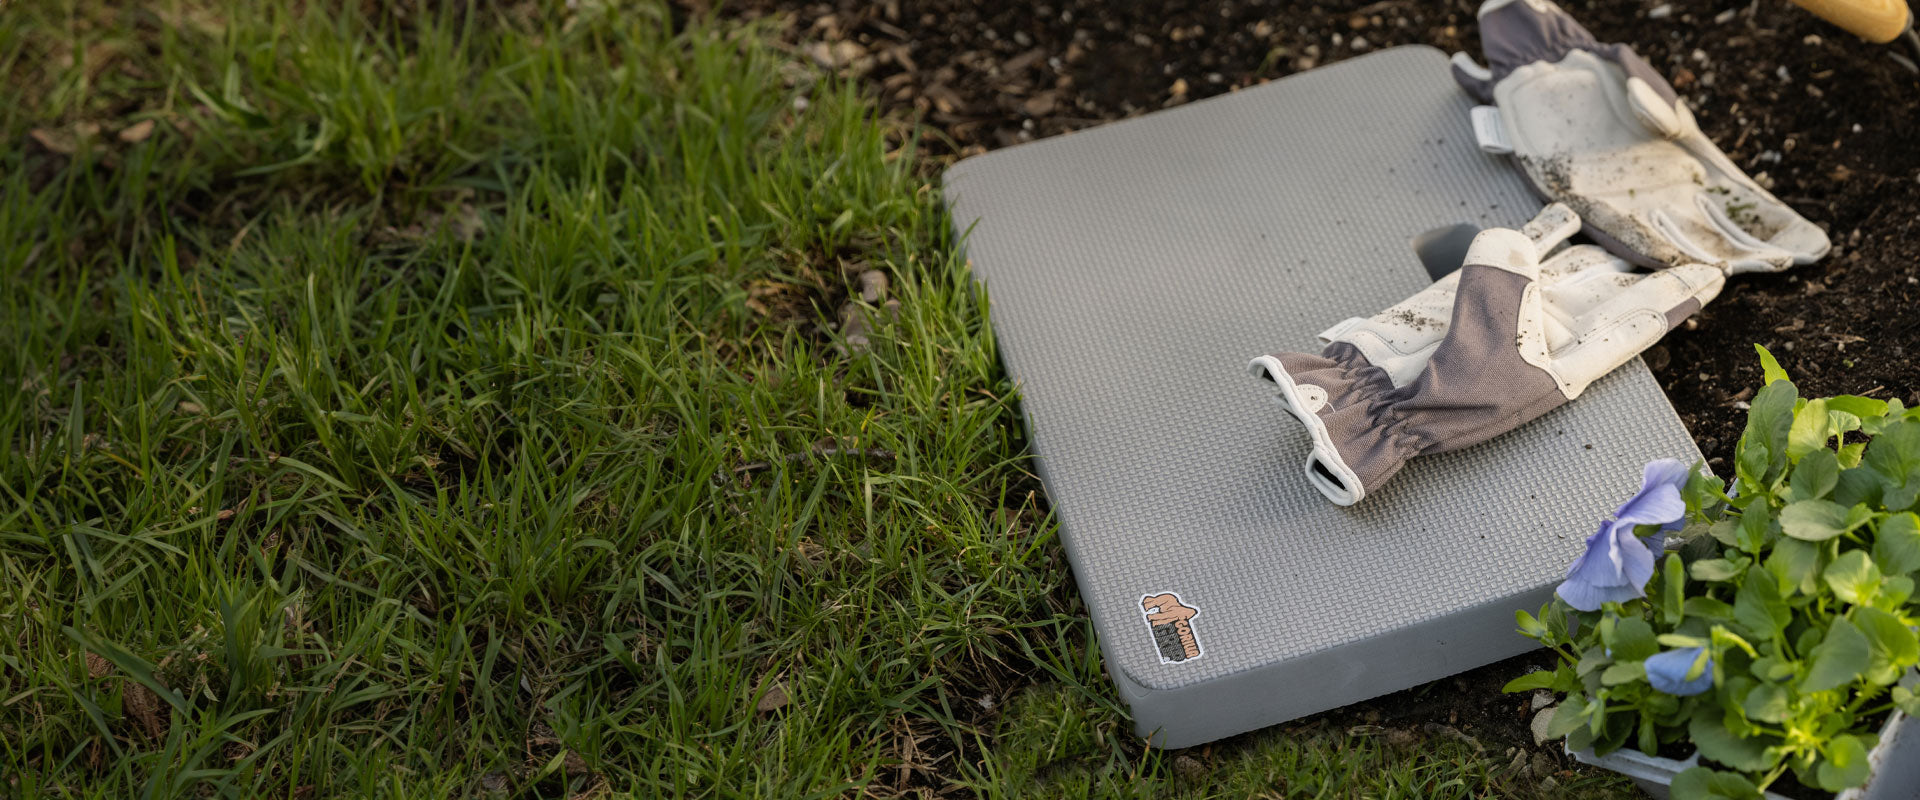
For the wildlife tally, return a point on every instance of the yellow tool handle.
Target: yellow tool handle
(1877, 21)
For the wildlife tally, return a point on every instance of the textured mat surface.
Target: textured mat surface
(1135, 268)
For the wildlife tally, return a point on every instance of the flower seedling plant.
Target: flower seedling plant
(1766, 621)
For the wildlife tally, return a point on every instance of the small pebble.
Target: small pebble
(1661, 11)
(1784, 74)
(1360, 44)
(1723, 17)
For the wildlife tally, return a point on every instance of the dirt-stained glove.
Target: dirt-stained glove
(1521, 339)
(1595, 127)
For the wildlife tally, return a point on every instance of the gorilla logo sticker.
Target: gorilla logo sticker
(1171, 623)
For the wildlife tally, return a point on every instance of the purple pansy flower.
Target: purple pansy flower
(1617, 564)
(1668, 671)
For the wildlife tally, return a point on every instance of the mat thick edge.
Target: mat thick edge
(1328, 679)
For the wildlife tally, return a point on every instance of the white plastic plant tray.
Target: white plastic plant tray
(1135, 268)
(1898, 746)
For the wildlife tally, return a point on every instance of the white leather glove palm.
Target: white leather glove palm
(1595, 127)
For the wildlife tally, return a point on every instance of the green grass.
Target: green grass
(454, 403)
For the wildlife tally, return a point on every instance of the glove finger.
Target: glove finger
(1616, 330)
(1702, 232)
(1554, 224)
(1653, 101)
(1476, 79)
(1759, 222)
(1631, 236)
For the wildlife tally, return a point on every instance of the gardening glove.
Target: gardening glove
(1593, 126)
(1522, 338)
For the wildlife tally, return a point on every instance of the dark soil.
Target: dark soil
(1829, 123)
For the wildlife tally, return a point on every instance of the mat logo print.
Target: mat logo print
(1171, 622)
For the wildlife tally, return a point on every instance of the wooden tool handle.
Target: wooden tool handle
(1877, 21)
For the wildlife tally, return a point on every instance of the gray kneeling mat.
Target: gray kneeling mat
(1135, 268)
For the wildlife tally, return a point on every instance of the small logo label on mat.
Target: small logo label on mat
(1171, 623)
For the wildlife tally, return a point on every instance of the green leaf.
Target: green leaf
(1810, 430)
(1758, 605)
(1815, 476)
(1845, 765)
(1859, 484)
(1750, 463)
(1580, 738)
(1797, 565)
(1756, 528)
(1839, 659)
(1530, 626)
(1709, 733)
(1894, 645)
(1701, 783)
(1768, 703)
(1853, 577)
(1813, 520)
(1906, 700)
(1896, 546)
(1675, 575)
(1595, 658)
(1770, 366)
(1570, 716)
(1623, 672)
(1544, 679)
(1894, 591)
(1709, 607)
(1726, 531)
(1648, 735)
(1860, 407)
(1849, 455)
(1633, 640)
(1703, 490)
(1895, 456)
(1772, 669)
(1768, 423)
(1713, 570)
(1860, 515)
